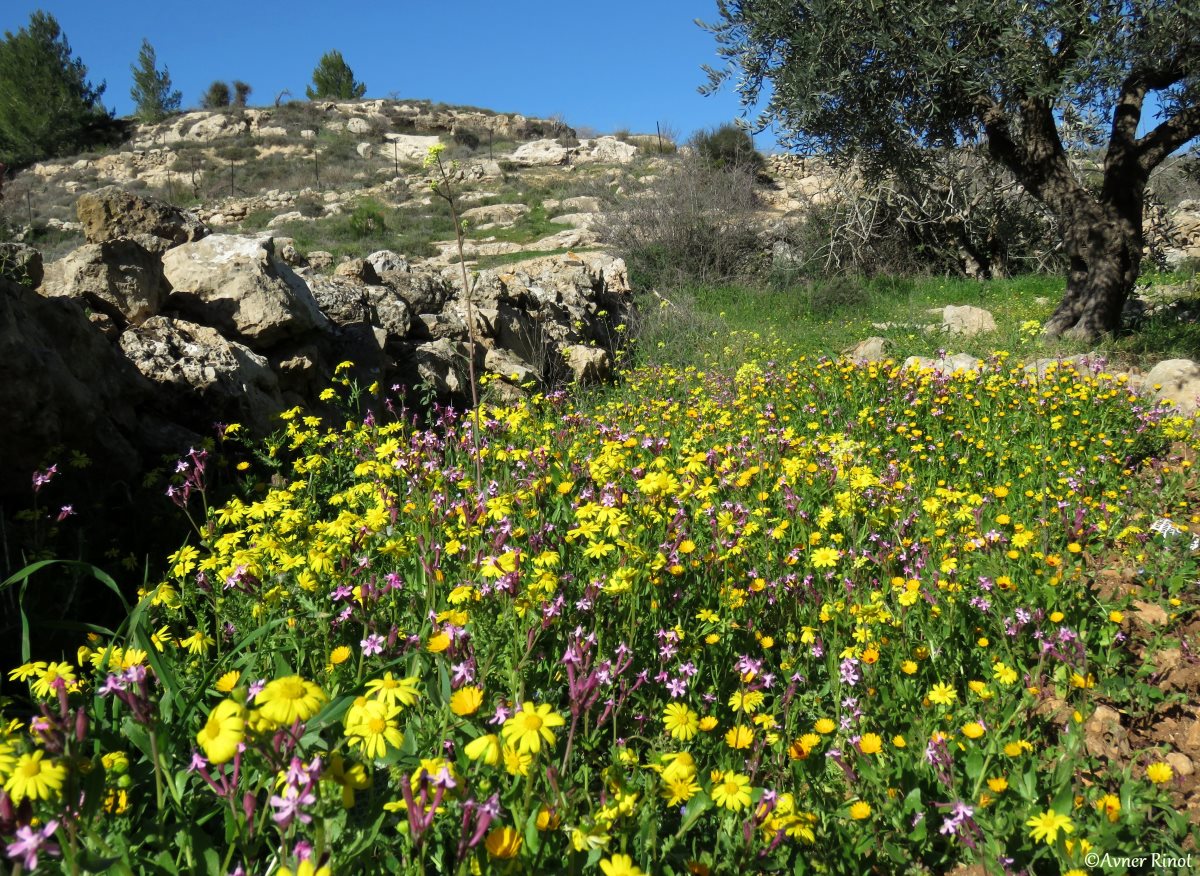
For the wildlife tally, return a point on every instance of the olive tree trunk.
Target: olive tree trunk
(1103, 242)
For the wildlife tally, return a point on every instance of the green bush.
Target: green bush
(727, 146)
(217, 96)
(367, 220)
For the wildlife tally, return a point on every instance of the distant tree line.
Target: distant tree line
(48, 106)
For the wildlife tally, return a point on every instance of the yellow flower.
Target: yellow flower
(1047, 825)
(289, 699)
(516, 763)
(35, 779)
(484, 748)
(438, 643)
(349, 775)
(503, 842)
(372, 727)
(745, 701)
(870, 743)
(681, 722)
(732, 790)
(824, 726)
(860, 810)
(973, 730)
(1159, 772)
(530, 726)
(340, 655)
(45, 685)
(708, 722)
(228, 681)
(1110, 805)
(394, 691)
(942, 694)
(739, 736)
(825, 558)
(620, 865)
(223, 731)
(466, 700)
(677, 790)
(998, 784)
(547, 819)
(305, 868)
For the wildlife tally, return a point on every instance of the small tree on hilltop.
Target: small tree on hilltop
(216, 97)
(151, 90)
(334, 79)
(884, 85)
(47, 105)
(241, 91)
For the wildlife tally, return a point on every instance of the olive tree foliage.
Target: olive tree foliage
(47, 105)
(152, 94)
(333, 79)
(889, 85)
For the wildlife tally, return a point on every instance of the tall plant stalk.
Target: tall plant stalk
(442, 187)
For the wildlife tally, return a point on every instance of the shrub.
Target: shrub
(367, 220)
(727, 146)
(465, 137)
(693, 225)
(217, 96)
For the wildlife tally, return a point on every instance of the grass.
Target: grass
(827, 317)
(409, 229)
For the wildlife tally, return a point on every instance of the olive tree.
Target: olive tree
(886, 84)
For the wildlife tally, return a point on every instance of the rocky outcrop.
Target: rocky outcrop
(236, 285)
(110, 213)
(201, 377)
(1176, 381)
(62, 385)
(117, 277)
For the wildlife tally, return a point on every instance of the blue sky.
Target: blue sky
(606, 65)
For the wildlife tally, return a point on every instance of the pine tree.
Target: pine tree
(47, 105)
(334, 79)
(151, 90)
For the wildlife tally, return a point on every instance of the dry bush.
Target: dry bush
(694, 223)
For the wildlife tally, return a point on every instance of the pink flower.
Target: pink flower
(30, 843)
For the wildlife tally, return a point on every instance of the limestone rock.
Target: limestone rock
(1181, 763)
(442, 365)
(236, 285)
(582, 204)
(1178, 381)
(386, 261)
(588, 364)
(509, 366)
(495, 214)
(873, 349)
(944, 365)
(61, 384)
(358, 125)
(608, 150)
(346, 302)
(111, 212)
(356, 269)
(408, 147)
(541, 153)
(197, 370)
(117, 277)
(319, 259)
(967, 321)
(423, 291)
(21, 263)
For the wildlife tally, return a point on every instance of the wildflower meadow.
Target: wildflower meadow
(776, 614)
